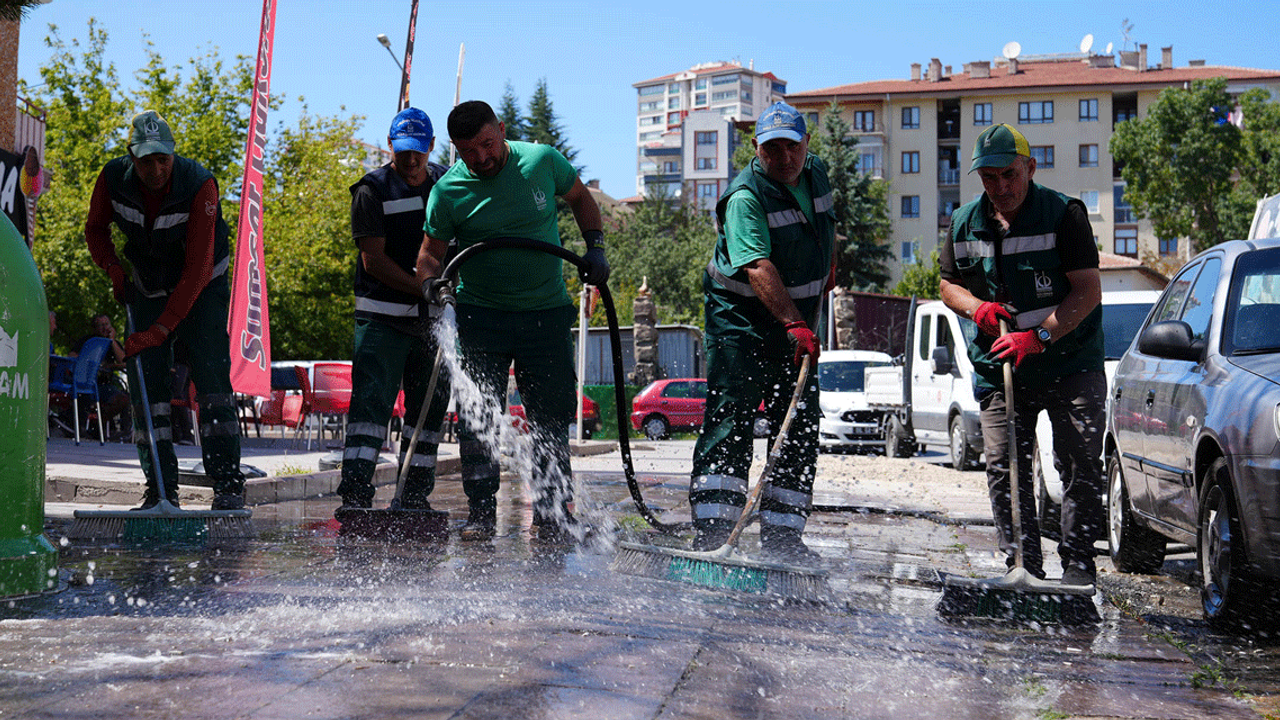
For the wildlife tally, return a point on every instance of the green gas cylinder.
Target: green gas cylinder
(28, 562)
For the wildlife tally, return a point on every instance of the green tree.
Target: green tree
(509, 114)
(88, 111)
(860, 202)
(310, 258)
(1178, 164)
(542, 126)
(921, 279)
(1260, 165)
(745, 151)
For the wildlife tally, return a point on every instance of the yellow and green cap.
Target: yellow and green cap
(997, 146)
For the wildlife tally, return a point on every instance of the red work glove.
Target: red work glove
(1019, 345)
(120, 286)
(988, 317)
(804, 340)
(149, 338)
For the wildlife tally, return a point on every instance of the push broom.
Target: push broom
(727, 567)
(164, 521)
(397, 523)
(1019, 595)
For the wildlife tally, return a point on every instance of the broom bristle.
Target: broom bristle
(136, 526)
(988, 599)
(737, 574)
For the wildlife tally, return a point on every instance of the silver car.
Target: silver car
(1193, 430)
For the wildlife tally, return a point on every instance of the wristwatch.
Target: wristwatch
(1043, 335)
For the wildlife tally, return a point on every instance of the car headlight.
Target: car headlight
(1275, 420)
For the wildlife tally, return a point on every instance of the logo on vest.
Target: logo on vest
(16, 385)
(1044, 285)
(540, 199)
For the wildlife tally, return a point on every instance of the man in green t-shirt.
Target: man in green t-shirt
(512, 305)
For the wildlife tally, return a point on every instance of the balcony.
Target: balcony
(949, 176)
(1124, 215)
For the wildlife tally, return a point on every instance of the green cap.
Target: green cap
(997, 146)
(150, 135)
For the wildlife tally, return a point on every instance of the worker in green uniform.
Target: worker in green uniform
(774, 261)
(175, 242)
(1026, 254)
(512, 305)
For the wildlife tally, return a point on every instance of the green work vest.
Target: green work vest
(158, 255)
(799, 249)
(1024, 270)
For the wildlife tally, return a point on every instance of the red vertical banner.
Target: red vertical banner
(408, 58)
(247, 321)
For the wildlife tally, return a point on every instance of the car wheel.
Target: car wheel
(1049, 511)
(1134, 549)
(963, 456)
(1226, 589)
(656, 427)
(896, 442)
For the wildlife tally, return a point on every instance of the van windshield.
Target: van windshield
(844, 375)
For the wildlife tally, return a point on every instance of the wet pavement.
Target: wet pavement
(301, 623)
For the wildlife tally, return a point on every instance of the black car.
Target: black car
(1193, 430)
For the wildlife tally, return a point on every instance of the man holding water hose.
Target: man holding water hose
(393, 336)
(512, 305)
(774, 260)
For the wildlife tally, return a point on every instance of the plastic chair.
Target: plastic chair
(61, 371)
(330, 392)
(84, 381)
(304, 406)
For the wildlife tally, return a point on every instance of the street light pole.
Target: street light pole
(386, 43)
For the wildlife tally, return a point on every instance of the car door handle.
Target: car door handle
(1119, 391)
(1151, 398)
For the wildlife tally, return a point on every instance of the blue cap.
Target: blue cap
(411, 130)
(780, 120)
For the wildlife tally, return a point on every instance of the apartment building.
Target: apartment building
(919, 134)
(685, 127)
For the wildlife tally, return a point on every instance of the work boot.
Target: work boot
(710, 534)
(228, 501)
(482, 521)
(784, 544)
(1080, 575)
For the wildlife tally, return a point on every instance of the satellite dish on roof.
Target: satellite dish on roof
(1011, 50)
(1086, 43)
(1108, 48)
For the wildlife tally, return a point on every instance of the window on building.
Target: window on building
(673, 118)
(671, 166)
(911, 161)
(650, 90)
(982, 114)
(644, 137)
(724, 95)
(1043, 155)
(708, 190)
(811, 121)
(1090, 200)
(700, 84)
(745, 95)
(911, 118)
(1123, 210)
(649, 106)
(651, 120)
(910, 206)
(673, 88)
(1168, 246)
(673, 103)
(1125, 113)
(1089, 110)
(1127, 242)
(869, 162)
(706, 149)
(1037, 112)
(706, 163)
(1088, 156)
(908, 252)
(705, 137)
(864, 120)
(724, 79)
(699, 99)
(779, 88)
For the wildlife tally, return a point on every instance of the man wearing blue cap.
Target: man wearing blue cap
(774, 260)
(393, 335)
(1024, 254)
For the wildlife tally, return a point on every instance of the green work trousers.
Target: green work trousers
(385, 357)
(741, 375)
(539, 344)
(203, 335)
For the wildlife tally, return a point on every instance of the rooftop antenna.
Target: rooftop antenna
(1011, 50)
(1086, 43)
(1125, 28)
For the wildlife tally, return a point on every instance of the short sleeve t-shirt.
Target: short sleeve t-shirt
(747, 228)
(520, 201)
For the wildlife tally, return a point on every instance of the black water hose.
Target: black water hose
(450, 275)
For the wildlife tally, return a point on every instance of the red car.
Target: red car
(590, 414)
(665, 405)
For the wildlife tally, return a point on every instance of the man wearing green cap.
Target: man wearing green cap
(1025, 255)
(773, 262)
(173, 279)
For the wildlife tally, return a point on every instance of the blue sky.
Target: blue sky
(591, 52)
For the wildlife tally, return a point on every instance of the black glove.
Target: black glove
(438, 293)
(597, 270)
